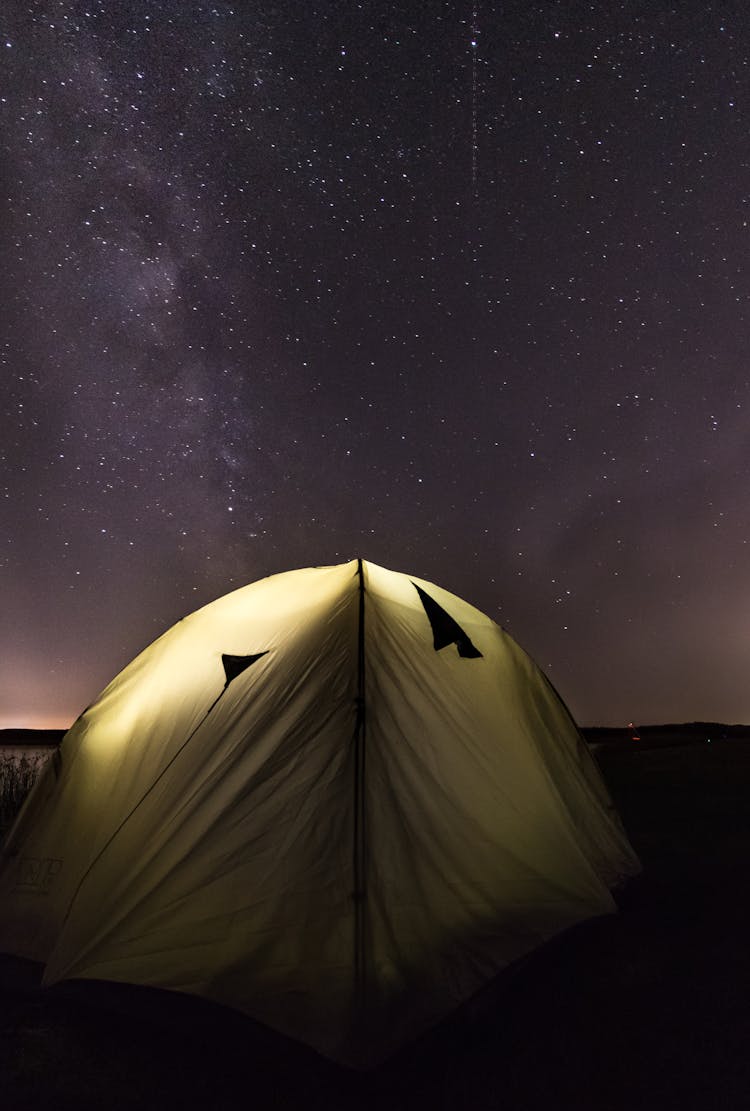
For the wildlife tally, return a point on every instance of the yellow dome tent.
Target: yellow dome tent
(339, 799)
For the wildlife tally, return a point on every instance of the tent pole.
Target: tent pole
(360, 890)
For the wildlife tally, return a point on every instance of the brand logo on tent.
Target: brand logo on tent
(35, 875)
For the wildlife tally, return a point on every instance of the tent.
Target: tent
(339, 799)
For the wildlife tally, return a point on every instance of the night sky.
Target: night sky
(462, 289)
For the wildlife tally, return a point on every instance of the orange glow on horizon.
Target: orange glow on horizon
(32, 722)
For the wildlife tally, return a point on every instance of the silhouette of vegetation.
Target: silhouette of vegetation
(18, 773)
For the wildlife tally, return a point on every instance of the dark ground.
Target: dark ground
(645, 1010)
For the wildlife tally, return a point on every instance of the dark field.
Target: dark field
(645, 1010)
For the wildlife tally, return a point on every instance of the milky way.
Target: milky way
(462, 288)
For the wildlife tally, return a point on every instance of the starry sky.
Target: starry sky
(462, 288)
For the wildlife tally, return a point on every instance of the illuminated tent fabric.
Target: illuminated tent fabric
(340, 800)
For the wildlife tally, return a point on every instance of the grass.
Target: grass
(643, 1010)
(19, 769)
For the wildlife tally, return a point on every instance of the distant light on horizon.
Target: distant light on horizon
(31, 722)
